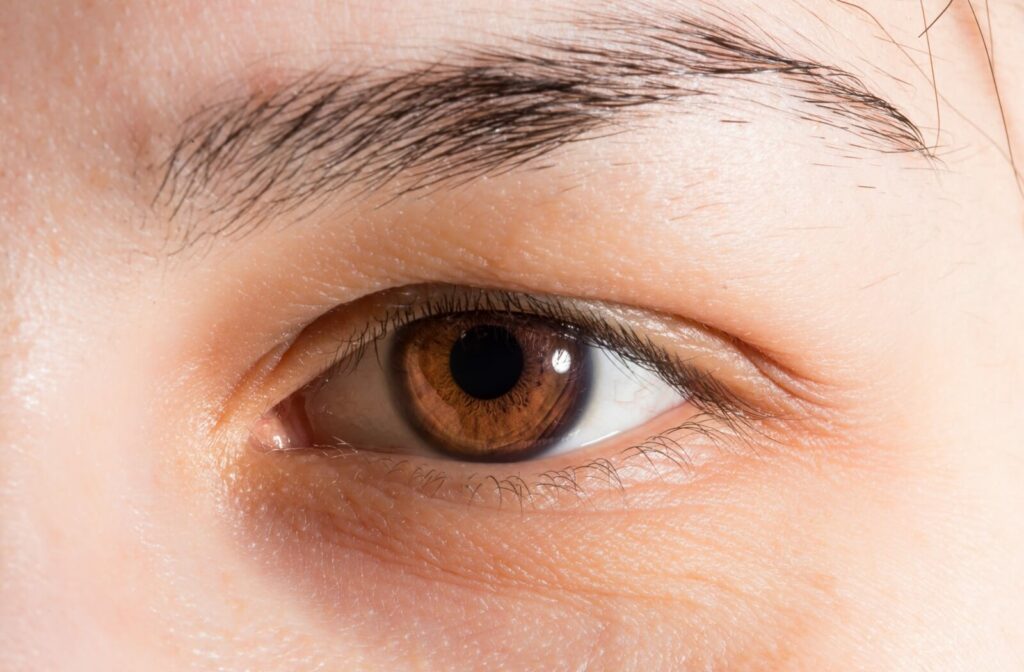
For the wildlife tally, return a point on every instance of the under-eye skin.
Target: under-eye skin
(467, 394)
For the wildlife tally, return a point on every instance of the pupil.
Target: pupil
(486, 361)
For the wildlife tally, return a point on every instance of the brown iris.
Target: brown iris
(489, 386)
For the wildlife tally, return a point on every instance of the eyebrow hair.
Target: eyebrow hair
(486, 111)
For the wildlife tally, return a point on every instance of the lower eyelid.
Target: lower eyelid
(676, 447)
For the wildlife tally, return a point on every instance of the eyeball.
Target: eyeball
(477, 386)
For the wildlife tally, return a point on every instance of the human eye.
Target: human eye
(529, 394)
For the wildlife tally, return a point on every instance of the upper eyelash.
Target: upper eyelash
(585, 323)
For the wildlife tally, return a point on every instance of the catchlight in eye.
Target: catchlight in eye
(488, 386)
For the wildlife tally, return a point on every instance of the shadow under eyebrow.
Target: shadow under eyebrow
(485, 111)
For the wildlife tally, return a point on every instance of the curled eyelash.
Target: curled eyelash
(582, 322)
(722, 416)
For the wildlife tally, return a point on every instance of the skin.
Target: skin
(880, 529)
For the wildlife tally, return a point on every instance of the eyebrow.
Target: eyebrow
(485, 111)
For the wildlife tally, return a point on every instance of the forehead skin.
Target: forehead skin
(898, 279)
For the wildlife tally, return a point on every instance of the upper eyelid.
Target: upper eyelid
(342, 346)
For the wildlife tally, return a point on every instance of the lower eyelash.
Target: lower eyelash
(661, 455)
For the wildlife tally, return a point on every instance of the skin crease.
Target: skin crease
(137, 533)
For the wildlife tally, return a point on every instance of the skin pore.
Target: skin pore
(814, 202)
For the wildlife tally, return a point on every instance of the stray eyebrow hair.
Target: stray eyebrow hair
(486, 111)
